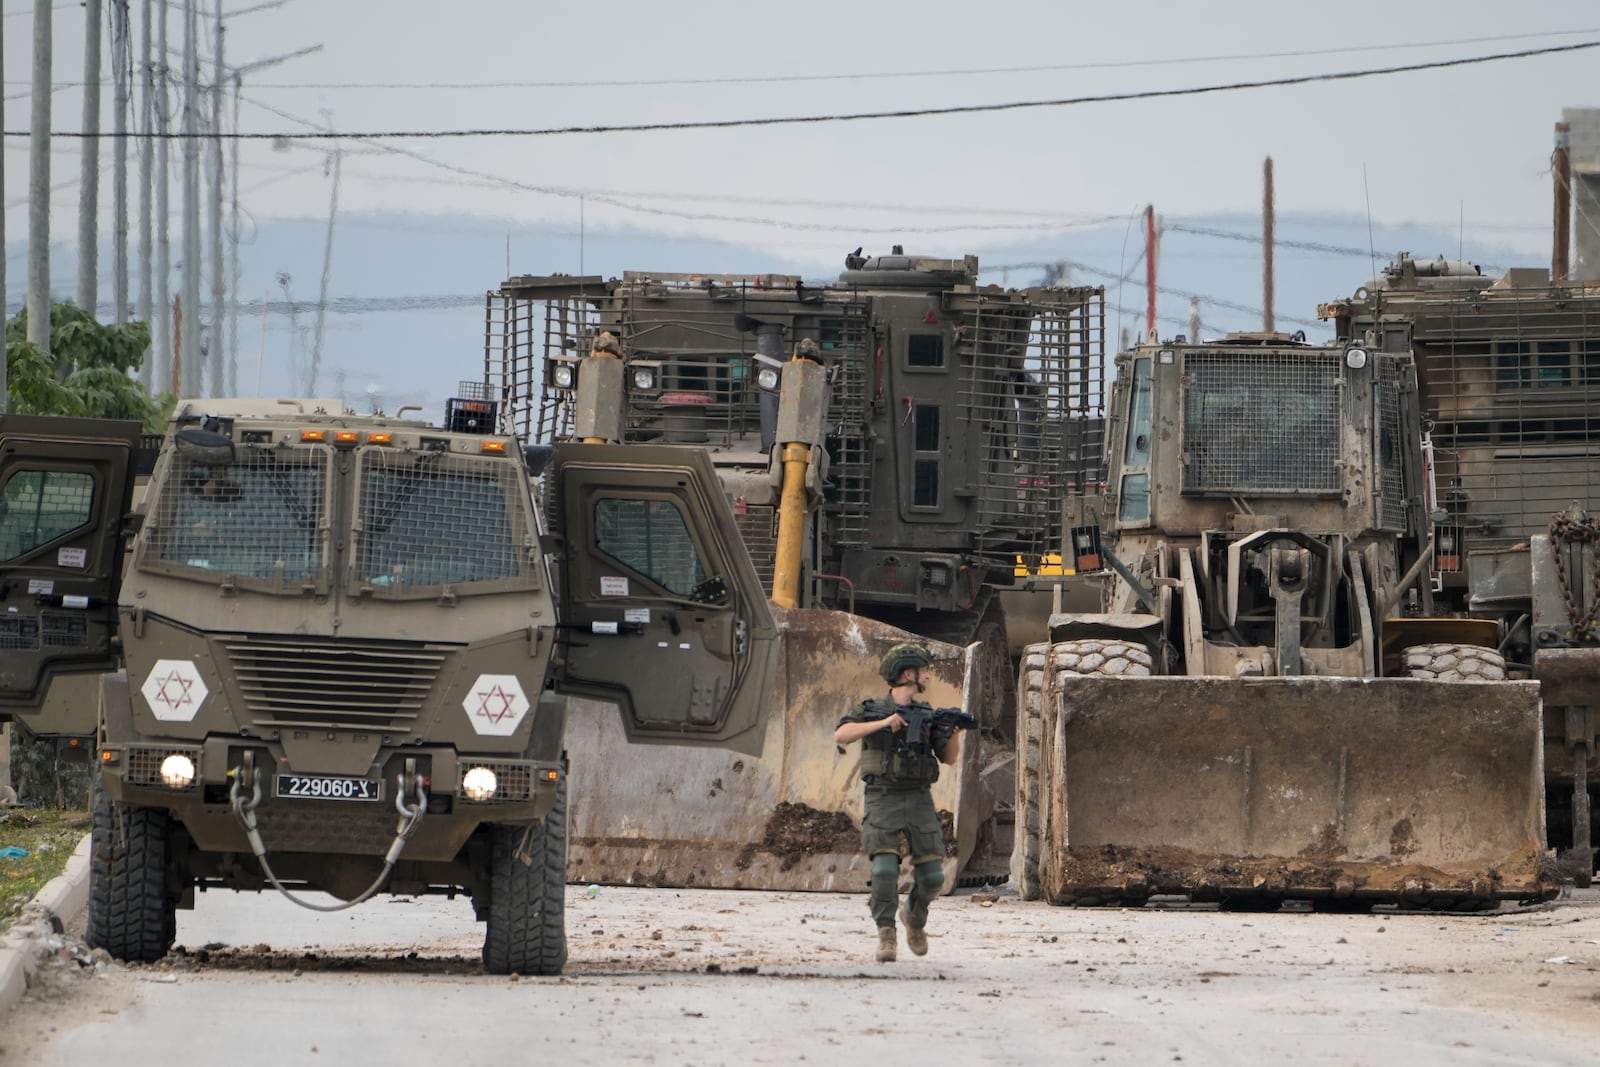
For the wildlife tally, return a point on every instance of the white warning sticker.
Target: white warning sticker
(72, 557)
(613, 585)
(40, 587)
(636, 615)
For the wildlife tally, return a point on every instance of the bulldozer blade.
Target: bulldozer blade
(790, 820)
(1362, 790)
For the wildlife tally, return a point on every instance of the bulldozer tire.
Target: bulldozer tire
(1455, 663)
(131, 914)
(1030, 710)
(526, 931)
(1115, 658)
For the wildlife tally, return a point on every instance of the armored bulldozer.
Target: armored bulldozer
(1259, 711)
(895, 445)
(344, 653)
(1510, 382)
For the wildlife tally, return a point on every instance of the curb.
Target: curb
(25, 944)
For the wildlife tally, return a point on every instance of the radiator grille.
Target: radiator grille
(362, 684)
(1265, 423)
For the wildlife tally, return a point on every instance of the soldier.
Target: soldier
(899, 797)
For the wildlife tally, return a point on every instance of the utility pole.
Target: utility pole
(5, 297)
(327, 271)
(89, 180)
(39, 183)
(233, 219)
(163, 352)
(1194, 319)
(1561, 167)
(218, 293)
(192, 370)
(1268, 222)
(121, 91)
(1150, 270)
(146, 149)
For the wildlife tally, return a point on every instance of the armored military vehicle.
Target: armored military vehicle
(344, 651)
(1510, 383)
(931, 430)
(1256, 713)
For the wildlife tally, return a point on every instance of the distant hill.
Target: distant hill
(405, 318)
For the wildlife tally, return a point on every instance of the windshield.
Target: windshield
(434, 518)
(259, 517)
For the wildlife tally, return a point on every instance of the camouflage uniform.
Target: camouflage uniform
(899, 800)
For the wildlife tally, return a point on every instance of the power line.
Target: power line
(862, 116)
(783, 79)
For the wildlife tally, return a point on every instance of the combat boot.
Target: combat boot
(885, 944)
(916, 936)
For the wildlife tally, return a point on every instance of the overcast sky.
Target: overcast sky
(1468, 145)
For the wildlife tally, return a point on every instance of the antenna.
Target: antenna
(1371, 248)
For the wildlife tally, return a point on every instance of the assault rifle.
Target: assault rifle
(923, 724)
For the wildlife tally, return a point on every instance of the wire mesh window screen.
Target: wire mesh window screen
(36, 507)
(433, 518)
(1260, 423)
(260, 517)
(1390, 444)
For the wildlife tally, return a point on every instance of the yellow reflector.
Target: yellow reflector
(551, 776)
(346, 437)
(494, 446)
(313, 435)
(379, 438)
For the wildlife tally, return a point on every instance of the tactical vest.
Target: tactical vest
(884, 765)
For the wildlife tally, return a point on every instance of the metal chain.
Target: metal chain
(1576, 529)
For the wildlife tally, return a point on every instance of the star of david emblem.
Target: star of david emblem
(495, 705)
(174, 690)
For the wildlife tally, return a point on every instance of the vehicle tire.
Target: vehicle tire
(1455, 663)
(131, 914)
(1030, 709)
(1110, 658)
(526, 930)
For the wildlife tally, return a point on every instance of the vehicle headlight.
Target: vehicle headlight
(177, 771)
(1355, 358)
(644, 378)
(561, 375)
(479, 783)
(767, 378)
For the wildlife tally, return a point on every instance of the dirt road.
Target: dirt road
(709, 977)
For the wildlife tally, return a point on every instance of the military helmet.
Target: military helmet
(900, 657)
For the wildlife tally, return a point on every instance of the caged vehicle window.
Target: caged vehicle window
(651, 537)
(36, 507)
(433, 520)
(252, 518)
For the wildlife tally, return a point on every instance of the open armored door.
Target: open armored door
(65, 488)
(660, 605)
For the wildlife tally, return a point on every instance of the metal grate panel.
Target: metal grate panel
(1266, 423)
(1391, 464)
(380, 685)
(514, 781)
(261, 517)
(433, 518)
(1511, 379)
(142, 765)
(1034, 393)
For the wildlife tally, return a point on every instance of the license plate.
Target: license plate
(327, 787)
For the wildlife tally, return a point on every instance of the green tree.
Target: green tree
(87, 372)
